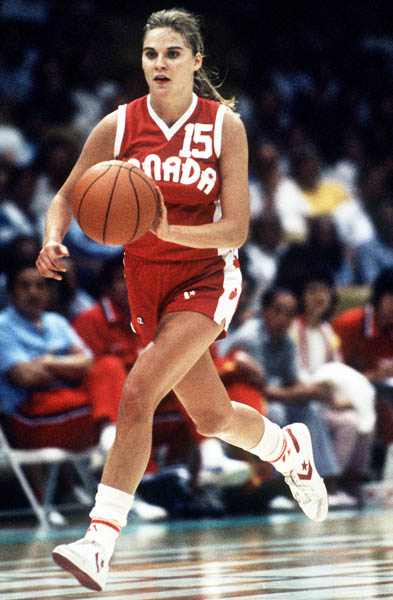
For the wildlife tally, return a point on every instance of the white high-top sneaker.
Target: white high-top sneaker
(306, 485)
(86, 560)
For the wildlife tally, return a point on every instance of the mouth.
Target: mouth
(161, 79)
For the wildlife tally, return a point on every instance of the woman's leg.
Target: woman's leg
(289, 449)
(206, 400)
(180, 340)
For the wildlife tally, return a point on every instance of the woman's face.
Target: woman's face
(317, 298)
(168, 63)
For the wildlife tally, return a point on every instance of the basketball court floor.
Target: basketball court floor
(282, 557)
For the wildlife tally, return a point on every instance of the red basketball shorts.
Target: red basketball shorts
(210, 286)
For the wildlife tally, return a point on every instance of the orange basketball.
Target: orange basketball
(115, 203)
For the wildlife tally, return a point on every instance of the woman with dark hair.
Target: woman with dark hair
(323, 249)
(350, 416)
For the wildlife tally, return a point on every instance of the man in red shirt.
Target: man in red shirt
(366, 335)
(105, 327)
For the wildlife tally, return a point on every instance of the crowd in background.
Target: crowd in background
(316, 96)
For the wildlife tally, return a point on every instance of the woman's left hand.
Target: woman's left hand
(160, 226)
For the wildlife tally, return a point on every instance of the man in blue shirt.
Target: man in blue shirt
(50, 387)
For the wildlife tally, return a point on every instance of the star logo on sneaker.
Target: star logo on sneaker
(306, 466)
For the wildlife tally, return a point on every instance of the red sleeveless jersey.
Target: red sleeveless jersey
(183, 161)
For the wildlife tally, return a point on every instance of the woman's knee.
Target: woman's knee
(213, 424)
(139, 399)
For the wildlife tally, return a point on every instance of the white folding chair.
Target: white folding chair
(52, 457)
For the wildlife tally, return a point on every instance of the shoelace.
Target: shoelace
(301, 491)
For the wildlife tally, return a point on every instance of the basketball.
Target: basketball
(115, 203)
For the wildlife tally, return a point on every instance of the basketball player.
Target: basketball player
(183, 280)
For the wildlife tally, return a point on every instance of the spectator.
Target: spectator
(270, 113)
(346, 168)
(16, 215)
(263, 251)
(25, 248)
(322, 247)
(31, 124)
(322, 195)
(316, 342)
(4, 178)
(350, 420)
(105, 327)
(50, 389)
(69, 297)
(366, 335)
(93, 92)
(51, 91)
(54, 163)
(372, 186)
(353, 222)
(266, 339)
(377, 253)
(17, 60)
(14, 148)
(358, 220)
(273, 192)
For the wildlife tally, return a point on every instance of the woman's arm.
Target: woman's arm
(98, 147)
(231, 231)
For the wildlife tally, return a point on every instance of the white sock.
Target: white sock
(272, 444)
(109, 515)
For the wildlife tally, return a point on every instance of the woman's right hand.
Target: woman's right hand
(49, 263)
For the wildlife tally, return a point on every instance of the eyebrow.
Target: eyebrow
(169, 48)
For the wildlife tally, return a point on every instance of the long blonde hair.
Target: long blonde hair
(188, 25)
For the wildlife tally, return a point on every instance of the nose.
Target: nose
(160, 62)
